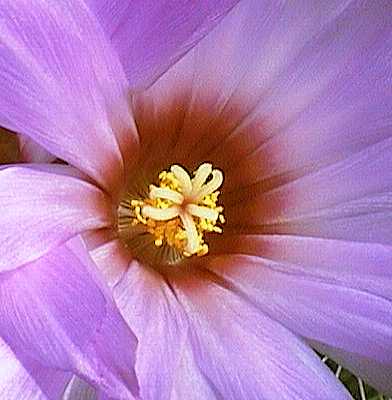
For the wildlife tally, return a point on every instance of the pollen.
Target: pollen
(179, 210)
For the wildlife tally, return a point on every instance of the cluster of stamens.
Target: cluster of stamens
(181, 209)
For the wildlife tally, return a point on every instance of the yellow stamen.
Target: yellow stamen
(180, 210)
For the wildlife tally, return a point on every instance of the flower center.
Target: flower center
(176, 213)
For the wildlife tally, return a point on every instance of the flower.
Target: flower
(291, 102)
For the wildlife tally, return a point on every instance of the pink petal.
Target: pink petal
(112, 259)
(153, 313)
(56, 312)
(41, 209)
(151, 35)
(350, 200)
(301, 103)
(245, 354)
(325, 297)
(190, 383)
(21, 382)
(63, 86)
(332, 100)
